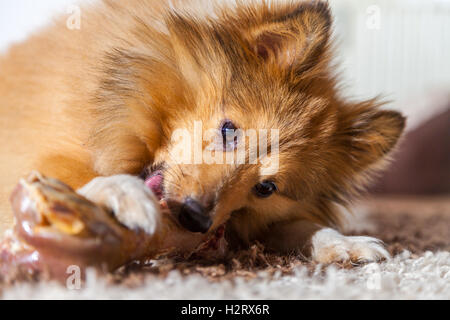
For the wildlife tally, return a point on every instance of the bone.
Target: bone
(109, 223)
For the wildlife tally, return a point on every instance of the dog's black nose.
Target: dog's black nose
(193, 216)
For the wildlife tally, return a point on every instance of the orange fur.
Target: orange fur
(105, 99)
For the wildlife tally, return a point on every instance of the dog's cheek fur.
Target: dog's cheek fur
(345, 163)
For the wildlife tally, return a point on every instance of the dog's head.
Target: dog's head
(255, 83)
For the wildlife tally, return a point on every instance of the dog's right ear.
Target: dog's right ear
(293, 37)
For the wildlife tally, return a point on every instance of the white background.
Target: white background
(18, 18)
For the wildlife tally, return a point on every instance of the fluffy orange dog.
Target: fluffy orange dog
(106, 99)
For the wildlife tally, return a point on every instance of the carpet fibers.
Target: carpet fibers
(416, 231)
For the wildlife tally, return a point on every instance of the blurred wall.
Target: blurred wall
(397, 48)
(401, 50)
(18, 18)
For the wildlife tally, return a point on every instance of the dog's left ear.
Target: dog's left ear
(294, 36)
(367, 134)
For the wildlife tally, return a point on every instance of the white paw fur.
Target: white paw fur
(329, 246)
(132, 202)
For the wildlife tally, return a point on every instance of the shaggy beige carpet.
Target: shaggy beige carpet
(417, 233)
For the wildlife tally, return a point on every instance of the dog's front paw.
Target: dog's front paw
(329, 246)
(133, 203)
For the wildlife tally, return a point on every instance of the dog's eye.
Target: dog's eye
(229, 137)
(265, 189)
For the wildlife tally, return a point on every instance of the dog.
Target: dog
(106, 99)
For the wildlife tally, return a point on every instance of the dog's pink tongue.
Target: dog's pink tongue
(154, 182)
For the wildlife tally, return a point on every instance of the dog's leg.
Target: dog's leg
(133, 203)
(328, 245)
(324, 245)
